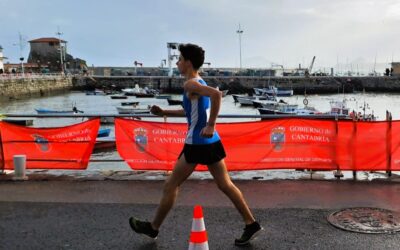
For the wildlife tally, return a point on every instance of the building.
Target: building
(396, 68)
(52, 52)
(16, 68)
(1, 60)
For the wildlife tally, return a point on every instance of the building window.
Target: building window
(51, 43)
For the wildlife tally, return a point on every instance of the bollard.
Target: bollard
(338, 174)
(19, 168)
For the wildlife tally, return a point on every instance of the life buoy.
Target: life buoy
(305, 101)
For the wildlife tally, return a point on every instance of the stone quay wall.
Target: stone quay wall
(312, 85)
(24, 87)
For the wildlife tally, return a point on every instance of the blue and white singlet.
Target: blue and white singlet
(197, 112)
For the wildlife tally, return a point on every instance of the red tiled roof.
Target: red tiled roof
(46, 40)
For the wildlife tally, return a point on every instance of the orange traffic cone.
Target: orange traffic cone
(198, 234)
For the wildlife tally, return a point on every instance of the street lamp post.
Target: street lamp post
(61, 50)
(240, 32)
(21, 48)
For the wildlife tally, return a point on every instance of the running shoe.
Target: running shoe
(250, 232)
(143, 227)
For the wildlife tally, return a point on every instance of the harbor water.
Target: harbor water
(376, 104)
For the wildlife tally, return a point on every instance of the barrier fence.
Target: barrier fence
(282, 142)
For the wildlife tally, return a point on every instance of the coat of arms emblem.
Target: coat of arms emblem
(41, 142)
(278, 138)
(140, 139)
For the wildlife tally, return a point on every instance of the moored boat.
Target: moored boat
(103, 132)
(21, 122)
(118, 97)
(74, 110)
(272, 90)
(95, 92)
(174, 102)
(163, 96)
(129, 103)
(144, 95)
(132, 110)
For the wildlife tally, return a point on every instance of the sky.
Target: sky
(344, 34)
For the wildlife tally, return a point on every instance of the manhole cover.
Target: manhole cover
(366, 220)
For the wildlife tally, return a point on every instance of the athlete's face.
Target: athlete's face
(182, 64)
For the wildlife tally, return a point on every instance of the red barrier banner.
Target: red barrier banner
(67, 147)
(393, 149)
(1, 155)
(276, 144)
(369, 146)
(149, 145)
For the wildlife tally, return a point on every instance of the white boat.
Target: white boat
(339, 108)
(272, 90)
(265, 104)
(289, 109)
(249, 100)
(133, 91)
(246, 100)
(132, 110)
(235, 97)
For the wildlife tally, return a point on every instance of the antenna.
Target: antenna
(240, 32)
(21, 44)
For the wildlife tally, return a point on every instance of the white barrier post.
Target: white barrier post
(19, 168)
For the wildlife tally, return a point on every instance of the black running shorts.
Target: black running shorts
(204, 154)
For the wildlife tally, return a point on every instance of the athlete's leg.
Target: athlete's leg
(223, 180)
(181, 172)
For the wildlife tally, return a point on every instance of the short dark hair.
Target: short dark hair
(193, 53)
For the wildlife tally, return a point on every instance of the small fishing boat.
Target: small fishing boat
(289, 109)
(52, 111)
(95, 92)
(235, 97)
(118, 97)
(144, 95)
(265, 104)
(272, 90)
(174, 102)
(265, 97)
(104, 132)
(21, 122)
(129, 103)
(132, 110)
(163, 96)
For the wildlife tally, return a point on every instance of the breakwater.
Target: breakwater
(241, 84)
(12, 88)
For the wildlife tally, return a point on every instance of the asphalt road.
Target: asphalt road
(94, 214)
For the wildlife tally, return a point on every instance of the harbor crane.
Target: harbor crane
(308, 71)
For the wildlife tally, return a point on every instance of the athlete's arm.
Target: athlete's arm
(156, 110)
(195, 88)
